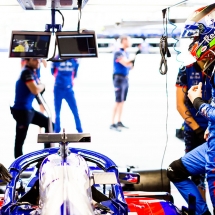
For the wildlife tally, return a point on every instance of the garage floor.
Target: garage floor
(142, 145)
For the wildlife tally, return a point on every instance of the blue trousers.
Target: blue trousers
(68, 95)
(199, 161)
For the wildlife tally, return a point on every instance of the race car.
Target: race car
(67, 181)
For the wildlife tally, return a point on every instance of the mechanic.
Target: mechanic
(121, 66)
(27, 86)
(23, 63)
(200, 160)
(194, 124)
(63, 89)
(4, 174)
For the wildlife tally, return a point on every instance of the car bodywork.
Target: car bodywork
(119, 202)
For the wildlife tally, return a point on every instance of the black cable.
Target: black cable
(53, 56)
(163, 51)
(80, 13)
(61, 16)
(163, 45)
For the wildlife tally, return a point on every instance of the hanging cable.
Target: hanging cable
(165, 51)
(53, 56)
(62, 17)
(163, 45)
(176, 41)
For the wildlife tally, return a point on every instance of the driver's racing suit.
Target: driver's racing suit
(198, 161)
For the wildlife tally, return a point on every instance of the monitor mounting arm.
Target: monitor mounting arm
(53, 25)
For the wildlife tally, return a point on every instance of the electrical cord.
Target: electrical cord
(182, 67)
(167, 137)
(163, 45)
(164, 51)
(79, 20)
(62, 17)
(53, 56)
(176, 40)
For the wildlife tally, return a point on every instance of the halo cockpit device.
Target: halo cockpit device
(29, 44)
(75, 44)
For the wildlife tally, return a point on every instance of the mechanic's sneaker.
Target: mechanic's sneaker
(120, 125)
(115, 127)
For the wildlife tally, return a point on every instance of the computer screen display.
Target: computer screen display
(74, 44)
(25, 44)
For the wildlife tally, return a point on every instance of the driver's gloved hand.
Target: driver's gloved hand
(199, 132)
(4, 174)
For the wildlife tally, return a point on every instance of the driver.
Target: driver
(201, 160)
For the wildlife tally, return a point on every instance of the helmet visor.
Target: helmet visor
(201, 22)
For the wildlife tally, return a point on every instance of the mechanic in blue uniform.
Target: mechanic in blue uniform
(27, 86)
(194, 124)
(199, 26)
(63, 89)
(121, 68)
(23, 63)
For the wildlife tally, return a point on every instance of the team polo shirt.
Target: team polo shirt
(118, 68)
(23, 96)
(187, 77)
(23, 63)
(64, 72)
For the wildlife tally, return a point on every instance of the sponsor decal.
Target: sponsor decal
(208, 38)
(170, 169)
(204, 48)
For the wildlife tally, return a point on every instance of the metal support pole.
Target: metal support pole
(53, 19)
(41, 99)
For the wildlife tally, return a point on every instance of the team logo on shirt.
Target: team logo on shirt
(170, 169)
(195, 78)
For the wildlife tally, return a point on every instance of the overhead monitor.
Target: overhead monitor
(29, 44)
(76, 45)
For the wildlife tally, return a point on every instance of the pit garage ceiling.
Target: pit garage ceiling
(99, 13)
(126, 9)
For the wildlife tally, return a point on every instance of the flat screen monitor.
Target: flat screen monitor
(76, 45)
(29, 44)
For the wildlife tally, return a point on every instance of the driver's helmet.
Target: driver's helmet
(65, 186)
(201, 27)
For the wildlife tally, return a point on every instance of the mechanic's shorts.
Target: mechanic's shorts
(121, 87)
